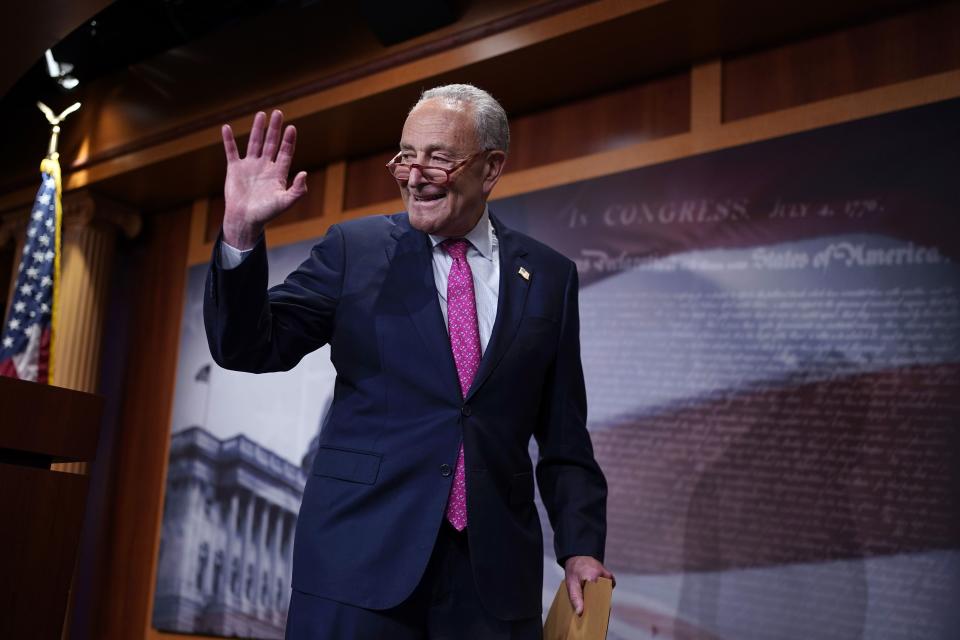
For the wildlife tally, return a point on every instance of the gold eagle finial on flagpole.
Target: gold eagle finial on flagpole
(55, 121)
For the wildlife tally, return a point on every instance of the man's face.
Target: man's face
(438, 133)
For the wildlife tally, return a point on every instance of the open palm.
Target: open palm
(256, 190)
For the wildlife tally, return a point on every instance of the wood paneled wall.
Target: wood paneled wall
(858, 72)
(645, 111)
(863, 57)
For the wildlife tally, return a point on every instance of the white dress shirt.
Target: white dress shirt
(483, 256)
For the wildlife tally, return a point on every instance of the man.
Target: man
(454, 339)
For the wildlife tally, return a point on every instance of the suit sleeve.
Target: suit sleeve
(571, 483)
(251, 328)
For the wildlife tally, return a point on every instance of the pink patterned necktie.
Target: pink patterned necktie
(465, 343)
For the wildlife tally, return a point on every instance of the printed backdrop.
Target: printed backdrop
(771, 343)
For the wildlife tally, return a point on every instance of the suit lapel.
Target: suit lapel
(412, 272)
(511, 300)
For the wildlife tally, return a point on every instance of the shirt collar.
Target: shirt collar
(481, 236)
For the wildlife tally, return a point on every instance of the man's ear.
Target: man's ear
(493, 169)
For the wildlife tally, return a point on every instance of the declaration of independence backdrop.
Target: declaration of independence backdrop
(771, 343)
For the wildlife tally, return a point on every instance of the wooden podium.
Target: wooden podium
(41, 510)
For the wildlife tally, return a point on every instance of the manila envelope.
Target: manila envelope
(562, 621)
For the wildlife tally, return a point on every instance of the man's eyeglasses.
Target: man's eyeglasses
(434, 175)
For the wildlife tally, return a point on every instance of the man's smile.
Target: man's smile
(429, 197)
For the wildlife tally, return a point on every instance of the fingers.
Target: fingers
(296, 189)
(273, 134)
(299, 186)
(229, 144)
(575, 593)
(287, 147)
(606, 574)
(264, 140)
(255, 144)
(579, 570)
(300, 182)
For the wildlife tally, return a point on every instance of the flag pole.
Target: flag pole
(203, 375)
(51, 166)
(206, 402)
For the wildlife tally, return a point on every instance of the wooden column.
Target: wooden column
(91, 225)
(90, 228)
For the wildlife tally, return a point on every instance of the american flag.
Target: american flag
(26, 345)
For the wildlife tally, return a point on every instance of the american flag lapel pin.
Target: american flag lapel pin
(524, 274)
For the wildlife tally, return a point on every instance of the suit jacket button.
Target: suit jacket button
(466, 410)
(445, 470)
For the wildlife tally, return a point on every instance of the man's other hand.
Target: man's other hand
(581, 569)
(255, 190)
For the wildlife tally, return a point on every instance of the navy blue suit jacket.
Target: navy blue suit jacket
(376, 497)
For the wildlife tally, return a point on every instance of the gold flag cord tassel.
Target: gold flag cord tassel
(51, 166)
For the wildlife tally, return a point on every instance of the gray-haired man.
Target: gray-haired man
(455, 340)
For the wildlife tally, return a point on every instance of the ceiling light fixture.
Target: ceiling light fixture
(60, 71)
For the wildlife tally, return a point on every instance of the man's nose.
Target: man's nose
(416, 177)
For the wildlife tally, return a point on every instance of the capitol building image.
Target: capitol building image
(227, 537)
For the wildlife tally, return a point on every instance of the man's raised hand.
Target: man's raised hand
(255, 190)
